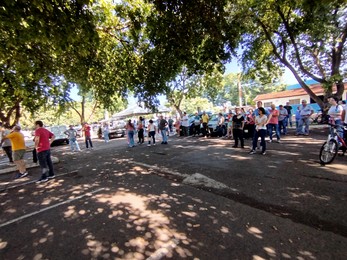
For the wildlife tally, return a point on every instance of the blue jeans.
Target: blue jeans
(163, 135)
(283, 125)
(73, 144)
(260, 133)
(131, 138)
(46, 164)
(106, 137)
(270, 129)
(304, 123)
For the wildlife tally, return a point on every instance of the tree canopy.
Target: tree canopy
(308, 37)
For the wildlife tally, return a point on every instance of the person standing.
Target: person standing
(18, 150)
(140, 131)
(260, 131)
(273, 123)
(7, 146)
(151, 129)
(305, 113)
(204, 119)
(238, 125)
(197, 124)
(130, 131)
(289, 109)
(72, 135)
(87, 135)
(335, 115)
(162, 127)
(106, 131)
(282, 120)
(43, 141)
(185, 124)
(170, 121)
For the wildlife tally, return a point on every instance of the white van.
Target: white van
(58, 132)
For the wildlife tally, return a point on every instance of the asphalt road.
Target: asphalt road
(194, 198)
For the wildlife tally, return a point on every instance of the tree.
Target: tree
(40, 42)
(188, 86)
(308, 37)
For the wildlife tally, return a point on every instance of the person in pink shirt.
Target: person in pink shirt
(43, 140)
(272, 123)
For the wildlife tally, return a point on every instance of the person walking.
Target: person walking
(6, 145)
(151, 129)
(162, 127)
(260, 131)
(130, 131)
(43, 141)
(86, 129)
(72, 135)
(18, 150)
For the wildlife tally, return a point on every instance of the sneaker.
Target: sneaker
(270, 141)
(11, 164)
(263, 153)
(24, 174)
(148, 144)
(41, 180)
(278, 141)
(252, 152)
(153, 144)
(18, 175)
(51, 177)
(305, 134)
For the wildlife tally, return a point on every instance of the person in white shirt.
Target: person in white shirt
(335, 114)
(260, 131)
(185, 124)
(304, 124)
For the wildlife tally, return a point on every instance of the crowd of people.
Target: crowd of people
(238, 125)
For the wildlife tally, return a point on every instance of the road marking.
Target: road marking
(33, 181)
(48, 208)
(195, 179)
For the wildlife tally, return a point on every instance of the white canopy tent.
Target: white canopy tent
(136, 110)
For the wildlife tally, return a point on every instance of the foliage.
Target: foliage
(308, 37)
(40, 40)
(188, 86)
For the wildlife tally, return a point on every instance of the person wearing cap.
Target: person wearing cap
(6, 145)
(72, 135)
(306, 112)
(18, 150)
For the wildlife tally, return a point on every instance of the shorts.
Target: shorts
(18, 154)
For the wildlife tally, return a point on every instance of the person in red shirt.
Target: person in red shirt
(43, 140)
(272, 123)
(86, 129)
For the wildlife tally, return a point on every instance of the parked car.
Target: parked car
(213, 125)
(117, 128)
(58, 132)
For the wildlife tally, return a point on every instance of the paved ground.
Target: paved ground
(195, 198)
